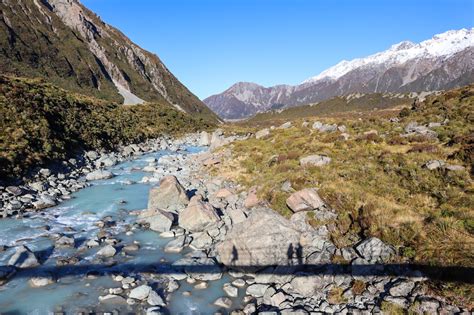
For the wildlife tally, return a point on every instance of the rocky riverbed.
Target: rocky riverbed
(153, 232)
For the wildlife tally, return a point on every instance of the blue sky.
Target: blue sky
(211, 44)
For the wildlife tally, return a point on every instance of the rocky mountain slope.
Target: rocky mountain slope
(70, 46)
(443, 62)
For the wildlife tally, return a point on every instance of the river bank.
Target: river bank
(203, 244)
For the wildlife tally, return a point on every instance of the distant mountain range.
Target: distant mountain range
(68, 45)
(443, 62)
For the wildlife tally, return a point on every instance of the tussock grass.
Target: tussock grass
(376, 181)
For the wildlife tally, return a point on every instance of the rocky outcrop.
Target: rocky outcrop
(78, 51)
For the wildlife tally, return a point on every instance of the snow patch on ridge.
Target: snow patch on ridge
(441, 45)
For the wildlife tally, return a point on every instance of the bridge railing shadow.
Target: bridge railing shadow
(446, 273)
(292, 262)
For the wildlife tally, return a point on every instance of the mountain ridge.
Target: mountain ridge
(69, 45)
(443, 62)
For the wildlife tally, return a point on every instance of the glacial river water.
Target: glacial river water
(76, 291)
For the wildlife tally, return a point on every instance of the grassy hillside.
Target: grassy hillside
(36, 43)
(376, 180)
(41, 123)
(363, 102)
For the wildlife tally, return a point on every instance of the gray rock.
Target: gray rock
(106, 161)
(256, 290)
(14, 190)
(92, 155)
(38, 186)
(176, 245)
(112, 299)
(140, 293)
(285, 125)
(414, 128)
(399, 301)
(434, 164)
(277, 299)
(158, 220)
(309, 285)
(304, 200)
(238, 283)
(107, 251)
(205, 139)
(155, 299)
(65, 241)
(428, 305)
(201, 240)
(455, 168)
(223, 302)
(155, 311)
(98, 175)
(170, 195)
(23, 258)
(262, 133)
(317, 125)
(38, 282)
(44, 202)
(264, 238)
(315, 160)
(402, 288)
(173, 285)
(198, 215)
(230, 290)
(45, 172)
(374, 250)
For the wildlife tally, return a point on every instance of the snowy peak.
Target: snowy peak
(441, 45)
(443, 62)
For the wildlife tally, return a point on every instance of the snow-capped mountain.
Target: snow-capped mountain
(444, 61)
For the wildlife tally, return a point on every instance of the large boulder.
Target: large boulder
(99, 174)
(264, 238)
(304, 200)
(23, 258)
(169, 195)
(198, 215)
(158, 220)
